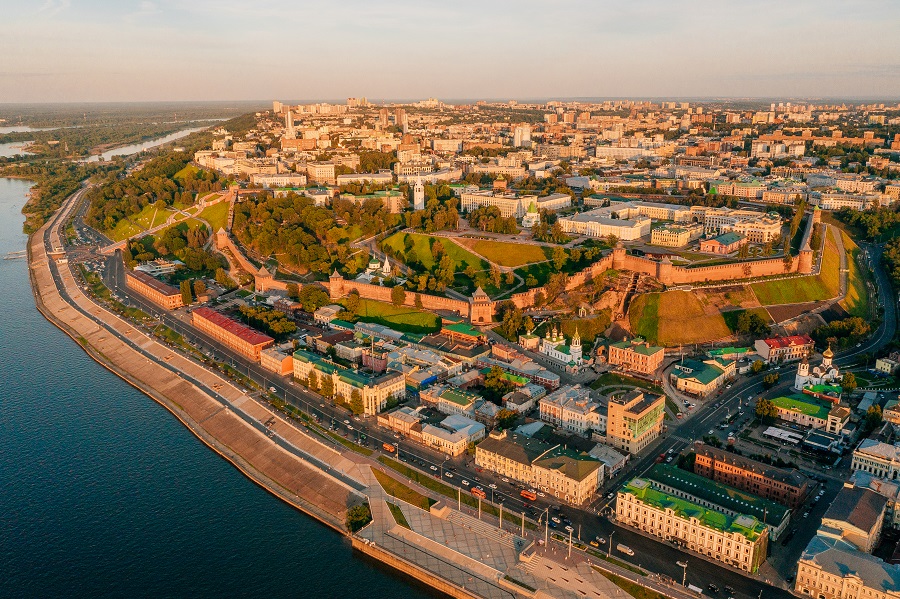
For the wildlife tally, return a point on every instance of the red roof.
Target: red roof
(153, 283)
(251, 336)
(792, 341)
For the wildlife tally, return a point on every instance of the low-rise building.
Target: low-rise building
(699, 379)
(234, 335)
(599, 223)
(832, 568)
(636, 355)
(275, 360)
(806, 410)
(676, 236)
(634, 420)
(161, 294)
(856, 515)
(453, 435)
(449, 400)
(572, 409)
(568, 475)
(725, 243)
(402, 420)
(784, 349)
(738, 541)
(788, 487)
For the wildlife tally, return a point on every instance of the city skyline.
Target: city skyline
(64, 51)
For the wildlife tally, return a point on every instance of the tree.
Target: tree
(437, 249)
(327, 387)
(293, 290)
(511, 319)
(358, 516)
(770, 380)
(766, 410)
(398, 296)
(352, 302)
(757, 366)
(495, 275)
(559, 258)
(506, 418)
(530, 281)
(312, 298)
(186, 296)
(199, 288)
(224, 280)
(510, 278)
(313, 380)
(848, 382)
(418, 302)
(873, 416)
(356, 403)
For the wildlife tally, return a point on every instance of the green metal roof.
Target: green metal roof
(460, 397)
(728, 238)
(804, 404)
(727, 351)
(637, 346)
(463, 329)
(748, 526)
(703, 372)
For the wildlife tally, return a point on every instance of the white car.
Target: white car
(492, 486)
(434, 468)
(506, 480)
(465, 482)
(448, 474)
(569, 528)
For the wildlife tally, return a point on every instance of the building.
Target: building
(636, 355)
(278, 180)
(372, 392)
(738, 541)
(702, 378)
(784, 349)
(832, 568)
(824, 374)
(888, 489)
(449, 400)
(719, 497)
(402, 420)
(161, 294)
(813, 412)
(565, 474)
(787, 487)
(277, 361)
(554, 346)
(725, 243)
(857, 516)
(877, 458)
(599, 223)
(634, 420)
(234, 335)
(572, 409)
(675, 236)
(453, 435)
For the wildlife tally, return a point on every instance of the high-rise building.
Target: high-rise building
(418, 195)
(634, 420)
(522, 136)
(289, 131)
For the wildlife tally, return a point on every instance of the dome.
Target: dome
(828, 353)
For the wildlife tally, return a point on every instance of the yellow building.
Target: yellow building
(676, 236)
(634, 420)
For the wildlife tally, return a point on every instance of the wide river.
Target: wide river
(104, 494)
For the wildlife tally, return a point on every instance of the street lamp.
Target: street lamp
(609, 547)
(684, 578)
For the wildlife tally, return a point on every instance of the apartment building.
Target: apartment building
(567, 475)
(156, 291)
(373, 391)
(572, 409)
(453, 434)
(739, 541)
(787, 487)
(634, 420)
(234, 335)
(278, 180)
(636, 355)
(832, 568)
(277, 361)
(321, 172)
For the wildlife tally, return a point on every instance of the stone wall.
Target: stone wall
(338, 288)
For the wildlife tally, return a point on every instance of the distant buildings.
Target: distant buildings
(600, 223)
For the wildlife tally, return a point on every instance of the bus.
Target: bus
(479, 492)
(389, 448)
(529, 494)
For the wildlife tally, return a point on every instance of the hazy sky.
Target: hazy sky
(122, 50)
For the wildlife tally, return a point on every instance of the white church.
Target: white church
(825, 373)
(554, 346)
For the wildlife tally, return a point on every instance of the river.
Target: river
(105, 494)
(135, 148)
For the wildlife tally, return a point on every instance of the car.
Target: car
(349, 428)
(711, 432)
(668, 459)
(541, 494)
(465, 483)
(610, 495)
(728, 386)
(448, 474)
(555, 519)
(346, 422)
(594, 544)
(569, 528)
(729, 590)
(789, 579)
(506, 480)
(859, 345)
(806, 514)
(713, 588)
(492, 486)
(434, 468)
(552, 524)
(601, 540)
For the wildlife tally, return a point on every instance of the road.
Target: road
(649, 552)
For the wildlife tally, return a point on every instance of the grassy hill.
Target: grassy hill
(508, 254)
(421, 250)
(674, 318)
(825, 285)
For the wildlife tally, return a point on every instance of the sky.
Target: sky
(200, 50)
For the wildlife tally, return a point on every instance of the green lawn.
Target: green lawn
(421, 251)
(187, 170)
(857, 301)
(633, 589)
(403, 319)
(611, 378)
(509, 254)
(123, 230)
(823, 286)
(399, 518)
(216, 216)
(395, 488)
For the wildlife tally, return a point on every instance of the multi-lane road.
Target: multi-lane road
(649, 553)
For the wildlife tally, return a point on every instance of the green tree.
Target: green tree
(848, 382)
(327, 387)
(530, 281)
(293, 290)
(352, 303)
(224, 280)
(507, 418)
(199, 288)
(398, 296)
(356, 403)
(358, 516)
(418, 301)
(770, 380)
(873, 416)
(559, 258)
(757, 366)
(312, 297)
(766, 410)
(313, 381)
(186, 296)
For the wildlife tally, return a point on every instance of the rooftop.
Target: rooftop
(789, 477)
(791, 341)
(804, 404)
(243, 332)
